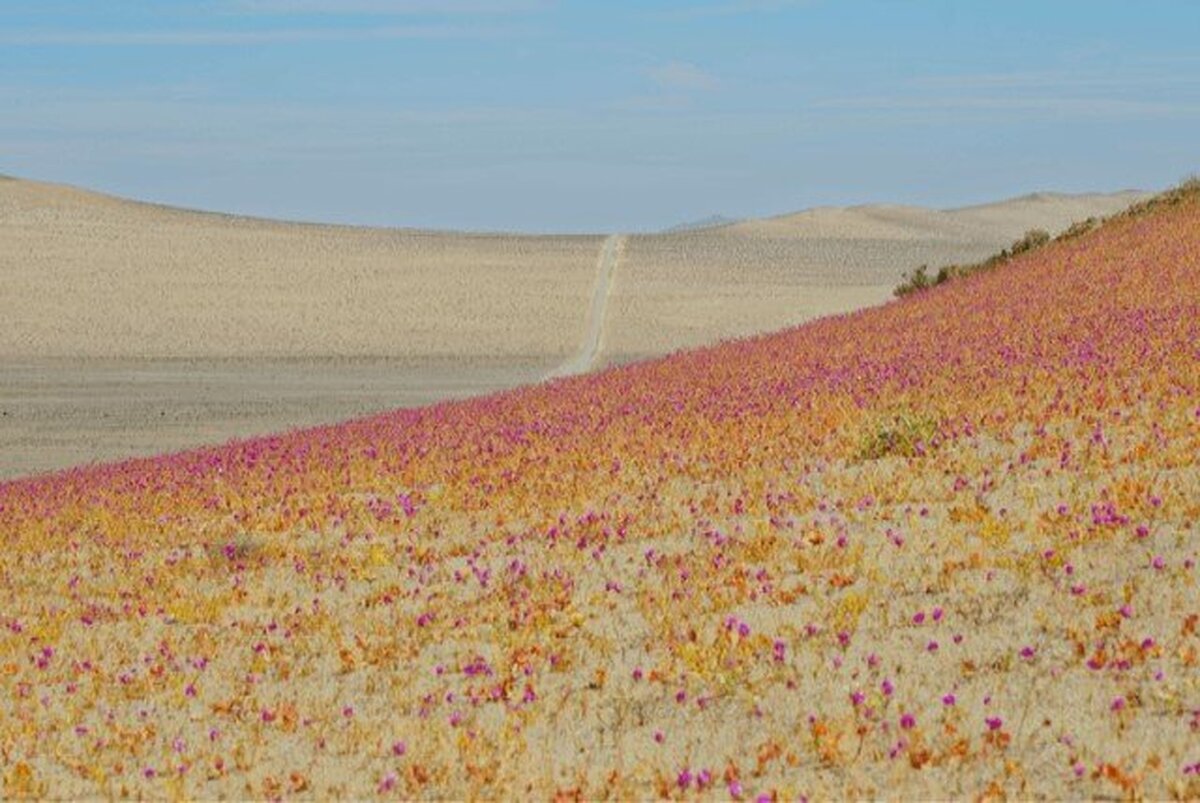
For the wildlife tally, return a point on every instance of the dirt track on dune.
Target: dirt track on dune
(585, 358)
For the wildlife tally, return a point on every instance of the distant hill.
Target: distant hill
(999, 221)
(710, 222)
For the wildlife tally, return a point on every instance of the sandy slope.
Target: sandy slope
(690, 288)
(88, 275)
(941, 549)
(131, 328)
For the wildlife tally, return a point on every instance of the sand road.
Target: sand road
(583, 360)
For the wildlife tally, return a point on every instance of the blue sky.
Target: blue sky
(539, 115)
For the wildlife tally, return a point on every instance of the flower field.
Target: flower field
(942, 547)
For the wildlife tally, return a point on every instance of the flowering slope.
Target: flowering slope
(945, 546)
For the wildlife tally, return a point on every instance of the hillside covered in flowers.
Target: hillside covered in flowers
(942, 547)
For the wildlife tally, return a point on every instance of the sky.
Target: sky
(545, 116)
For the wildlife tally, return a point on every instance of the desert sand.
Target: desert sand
(678, 290)
(132, 329)
(940, 549)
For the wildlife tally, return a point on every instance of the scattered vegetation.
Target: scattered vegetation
(1186, 189)
(920, 279)
(903, 433)
(685, 578)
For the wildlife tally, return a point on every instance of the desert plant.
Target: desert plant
(902, 433)
(1187, 188)
(920, 280)
(1037, 238)
(911, 283)
(1080, 228)
(1033, 239)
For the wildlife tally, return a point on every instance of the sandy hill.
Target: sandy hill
(130, 328)
(938, 549)
(1002, 221)
(691, 288)
(91, 275)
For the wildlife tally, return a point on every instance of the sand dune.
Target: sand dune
(687, 289)
(1002, 221)
(89, 275)
(133, 328)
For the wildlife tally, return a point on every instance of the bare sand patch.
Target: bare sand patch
(88, 275)
(132, 328)
(60, 412)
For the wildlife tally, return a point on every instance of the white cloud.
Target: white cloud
(732, 9)
(682, 76)
(390, 7)
(1076, 106)
(259, 37)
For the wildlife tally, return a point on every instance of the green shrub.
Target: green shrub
(1080, 228)
(903, 433)
(911, 283)
(920, 280)
(1185, 189)
(1033, 239)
